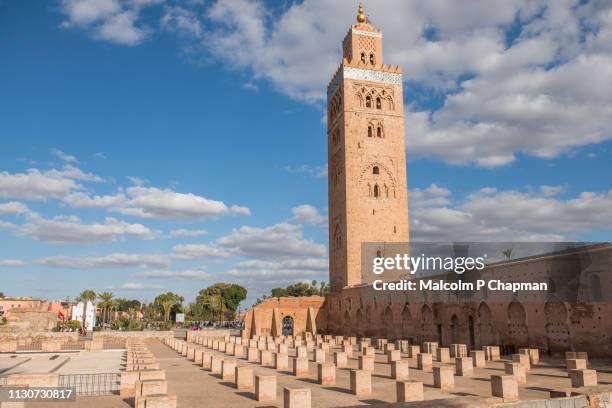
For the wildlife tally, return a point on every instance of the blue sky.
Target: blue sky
(153, 145)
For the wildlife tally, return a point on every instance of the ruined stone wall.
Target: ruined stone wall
(306, 314)
(551, 325)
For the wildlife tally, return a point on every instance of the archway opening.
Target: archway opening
(287, 326)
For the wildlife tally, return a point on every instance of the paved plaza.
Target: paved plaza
(83, 362)
(196, 386)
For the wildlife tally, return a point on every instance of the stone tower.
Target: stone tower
(368, 199)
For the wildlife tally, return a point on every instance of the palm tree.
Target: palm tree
(85, 296)
(508, 253)
(105, 304)
(167, 302)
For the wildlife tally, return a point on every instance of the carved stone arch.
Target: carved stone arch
(485, 325)
(384, 170)
(337, 237)
(388, 103)
(360, 322)
(388, 322)
(427, 324)
(557, 329)
(517, 325)
(455, 329)
(407, 323)
(347, 323)
(368, 318)
(358, 99)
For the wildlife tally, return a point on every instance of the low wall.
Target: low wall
(119, 335)
(33, 336)
(207, 333)
(33, 380)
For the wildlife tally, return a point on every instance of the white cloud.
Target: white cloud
(430, 197)
(190, 274)
(72, 172)
(109, 20)
(526, 97)
(536, 111)
(13, 208)
(279, 240)
(308, 214)
(121, 28)
(114, 260)
(71, 230)
(504, 95)
(150, 202)
(181, 20)
(198, 251)
(84, 200)
(177, 233)
(137, 286)
(8, 226)
(35, 185)
(310, 265)
(63, 156)
(138, 181)
(11, 262)
(84, 12)
(318, 172)
(549, 191)
(491, 215)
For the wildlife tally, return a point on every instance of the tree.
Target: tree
(85, 296)
(73, 325)
(221, 298)
(166, 302)
(299, 289)
(126, 305)
(1, 295)
(106, 302)
(197, 311)
(508, 253)
(323, 288)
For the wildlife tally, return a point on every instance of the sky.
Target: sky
(155, 145)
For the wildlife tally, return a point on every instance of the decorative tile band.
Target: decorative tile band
(372, 75)
(367, 33)
(389, 78)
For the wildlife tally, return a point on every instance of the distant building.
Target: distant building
(89, 310)
(62, 309)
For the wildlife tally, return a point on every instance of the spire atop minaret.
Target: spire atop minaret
(361, 18)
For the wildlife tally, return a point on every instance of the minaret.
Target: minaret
(368, 199)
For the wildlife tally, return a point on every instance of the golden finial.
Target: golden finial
(361, 18)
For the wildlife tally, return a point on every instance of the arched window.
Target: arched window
(595, 286)
(378, 131)
(379, 253)
(363, 58)
(378, 103)
(375, 170)
(368, 101)
(386, 191)
(375, 190)
(338, 237)
(369, 131)
(372, 59)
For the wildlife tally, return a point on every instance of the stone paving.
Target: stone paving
(196, 386)
(84, 362)
(192, 383)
